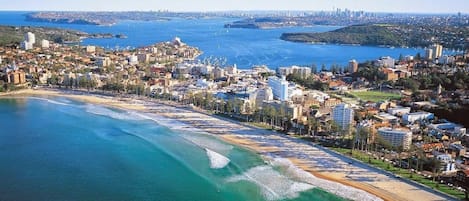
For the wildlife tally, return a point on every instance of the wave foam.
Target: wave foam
(273, 185)
(49, 100)
(329, 186)
(217, 161)
(103, 111)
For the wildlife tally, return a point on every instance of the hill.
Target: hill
(388, 35)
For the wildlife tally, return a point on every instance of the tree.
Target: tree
(314, 68)
(323, 68)
(418, 57)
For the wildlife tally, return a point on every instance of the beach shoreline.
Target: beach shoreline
(302, 155)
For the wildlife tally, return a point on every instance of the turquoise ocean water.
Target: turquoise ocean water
(59, 149)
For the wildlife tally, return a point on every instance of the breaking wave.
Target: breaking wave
(273, 185)
(217, 160)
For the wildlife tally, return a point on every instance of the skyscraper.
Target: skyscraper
(342, 114)
(437, 50)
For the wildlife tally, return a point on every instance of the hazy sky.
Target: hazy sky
(415, 6)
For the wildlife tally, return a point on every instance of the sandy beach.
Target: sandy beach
(352, 180)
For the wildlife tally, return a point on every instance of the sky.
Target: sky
(401, 6)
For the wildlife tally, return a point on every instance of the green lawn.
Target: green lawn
(375, 96)
(404, 173)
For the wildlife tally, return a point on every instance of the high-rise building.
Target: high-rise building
(29, 40)
(353, 66)
(395, 137)
(30, 37)
(437, 50)
(429, 54)
(342, 114)
(279, 87)
(25, 45)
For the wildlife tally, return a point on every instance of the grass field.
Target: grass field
(375, 96)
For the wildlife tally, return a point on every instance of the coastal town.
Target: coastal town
(396, 114)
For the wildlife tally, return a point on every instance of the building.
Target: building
(447, 163)
(15, 77)
(387, 62)
(396, 137)
(279, 87)
(103, 61)
(218, 73)
(133, 60)
(90, 49)
(45, 44)
(261, 95)
(143, 57)
(429, 54)
(437, 50)
(342, 114)
(303, 72)
(30, 38)
(399, 111)
(417, 116)
(448, 128)
(386, 118)
(353, 66)
(232, 70)
(25, 45)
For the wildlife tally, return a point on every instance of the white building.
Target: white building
(397, 138)
(448, 164)
(437, 50)
(30, 38)
(279, 87)
(45, 44)
(90, 49)
(133, 60)
(25, 45)
(302, 71)
(342, 114)
(429, 54)
(399, 111)
(261, 95)
(387, 62)
(417, 116)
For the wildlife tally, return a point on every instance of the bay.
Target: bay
(244, 47)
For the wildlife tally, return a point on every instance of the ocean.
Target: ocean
(244, 47)
(59, 149)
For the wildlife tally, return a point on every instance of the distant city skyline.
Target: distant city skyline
(394, 6)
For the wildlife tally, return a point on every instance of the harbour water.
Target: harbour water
(60, 149)
(244, 47)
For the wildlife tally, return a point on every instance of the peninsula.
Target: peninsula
(11, 35)
(388, 35)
